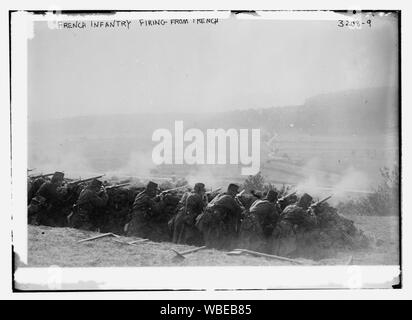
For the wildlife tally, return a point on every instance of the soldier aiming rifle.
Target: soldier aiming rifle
(286, 200)
(314, 206)
(91, 200)
(74, 188)
(184, 229)
(209, 195)
(146, 208)
(220, 222)
(47, 199)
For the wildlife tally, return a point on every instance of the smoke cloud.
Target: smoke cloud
(352, 183)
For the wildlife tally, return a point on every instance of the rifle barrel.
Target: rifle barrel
(240, 193)
(87, 180)
(177, 188)
(214, 191)
(288, 195)
(326, 199)
(322, 201)
(117, 186)
(42, 175)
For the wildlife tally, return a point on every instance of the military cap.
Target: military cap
(293, 198)
(95, 183)
(152, 185)
(199, 187)
(57, 176)
(233, 187)
(305, 200)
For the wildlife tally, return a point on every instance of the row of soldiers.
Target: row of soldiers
(222, 221)
(48, 198)
(234, 219)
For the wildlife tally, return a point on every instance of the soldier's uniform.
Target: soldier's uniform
(283, 203)
(47, 201)
(295, 220)
(185, 230)
(86, 211)
(258, 224)
(145, 209)
(180, 206)
(220, 222)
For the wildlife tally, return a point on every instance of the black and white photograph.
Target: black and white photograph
(152, 144)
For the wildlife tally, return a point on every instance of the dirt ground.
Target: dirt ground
(59, 246)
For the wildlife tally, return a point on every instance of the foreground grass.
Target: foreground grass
(384, 231)
(59, 246)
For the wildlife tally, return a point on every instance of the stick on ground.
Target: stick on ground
(234, 253)
(132, 243)
(260, 254)
(97, 237)
(138, 241)
(181, 254)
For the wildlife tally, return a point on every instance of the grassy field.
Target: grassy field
(384, 232)
(59, 246)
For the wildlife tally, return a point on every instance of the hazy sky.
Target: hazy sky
(235, 64)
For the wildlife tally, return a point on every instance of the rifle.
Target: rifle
(237, 199)
(314, 205)
(240, 193)
(42, 176)
(287, 196)
(85, 180)
(117, 186)
(173, 189)
(214, 191)
(253, 192)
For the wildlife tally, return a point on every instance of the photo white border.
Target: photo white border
(19, 158)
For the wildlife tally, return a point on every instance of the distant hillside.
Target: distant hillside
(366, 111)
(340, 130)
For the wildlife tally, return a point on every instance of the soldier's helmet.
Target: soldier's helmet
(57, 176)
(233, 188)
(272, 196)
(151, 185)
(304, 201)
(199, 187)
(96, 184)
